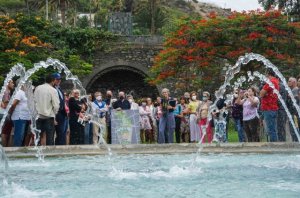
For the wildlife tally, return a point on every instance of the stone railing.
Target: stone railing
(145, 40)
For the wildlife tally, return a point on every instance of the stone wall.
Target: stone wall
(137, 49)
(132, 54)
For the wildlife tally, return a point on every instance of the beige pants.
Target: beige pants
(96, 130)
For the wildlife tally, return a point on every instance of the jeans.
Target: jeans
(87, 129)
(20, 129)
(166, 128)
(270, 118)
(239, 128)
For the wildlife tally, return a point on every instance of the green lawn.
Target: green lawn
(232, 133)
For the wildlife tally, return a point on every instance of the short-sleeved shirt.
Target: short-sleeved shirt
(249, 111)
(270, 101)
(193, 105)
(21, 111)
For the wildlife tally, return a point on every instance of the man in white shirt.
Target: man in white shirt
(20, 116)
(47, 106)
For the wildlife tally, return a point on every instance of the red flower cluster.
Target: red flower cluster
(275, 31)
(254, 35)
(202, 44)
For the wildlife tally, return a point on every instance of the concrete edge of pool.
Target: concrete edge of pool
(71, 150)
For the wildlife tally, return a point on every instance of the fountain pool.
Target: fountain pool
(189, 175)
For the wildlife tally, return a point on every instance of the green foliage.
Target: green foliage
(12, 4)
(30, 39)
(79, 67)
(292, 7)
(166, 13)
(83, 22)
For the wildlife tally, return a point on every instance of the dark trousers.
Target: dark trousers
(292, 131)
(157, 126)
(88, 133)
(177, 129)
(60, 129)
(281, 121)
(76, 132)
(47, 126)
(108, 132)
(251, 129)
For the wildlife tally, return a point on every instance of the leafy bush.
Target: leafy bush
(30, 39)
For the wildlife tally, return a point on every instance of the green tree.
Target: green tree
(150, 15)
(291, 7)
(268, 4)
(83, 22)
(29, 39)
(63, 5)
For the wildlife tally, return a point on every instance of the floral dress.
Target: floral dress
(145, 118)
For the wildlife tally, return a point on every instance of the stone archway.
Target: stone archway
(121, 78)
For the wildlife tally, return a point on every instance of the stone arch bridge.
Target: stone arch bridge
(125, 66)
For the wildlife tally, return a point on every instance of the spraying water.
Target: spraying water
(244, 60)
(56, 64)
(19, 70)
(265, 79)
(3, 158)
(232, 71)
(16, 70)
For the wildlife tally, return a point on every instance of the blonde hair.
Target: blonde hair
(75, 91)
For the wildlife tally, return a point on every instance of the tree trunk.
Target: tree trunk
(27, 7)
(47, 10)
(75, 17)
(63, 11)
(152, 12)
(90, 10)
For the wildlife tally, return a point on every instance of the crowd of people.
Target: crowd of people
(66, 118)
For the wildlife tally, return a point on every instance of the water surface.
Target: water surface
(214, 175)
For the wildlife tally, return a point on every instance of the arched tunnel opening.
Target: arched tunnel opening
(127, 79)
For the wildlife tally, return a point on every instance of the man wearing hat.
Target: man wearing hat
(61, 116)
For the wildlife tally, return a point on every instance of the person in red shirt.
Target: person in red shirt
(269, 106)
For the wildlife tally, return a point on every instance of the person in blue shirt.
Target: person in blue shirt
(178, 116)
(99, 110)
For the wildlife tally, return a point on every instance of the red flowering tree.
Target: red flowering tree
(196, 53)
